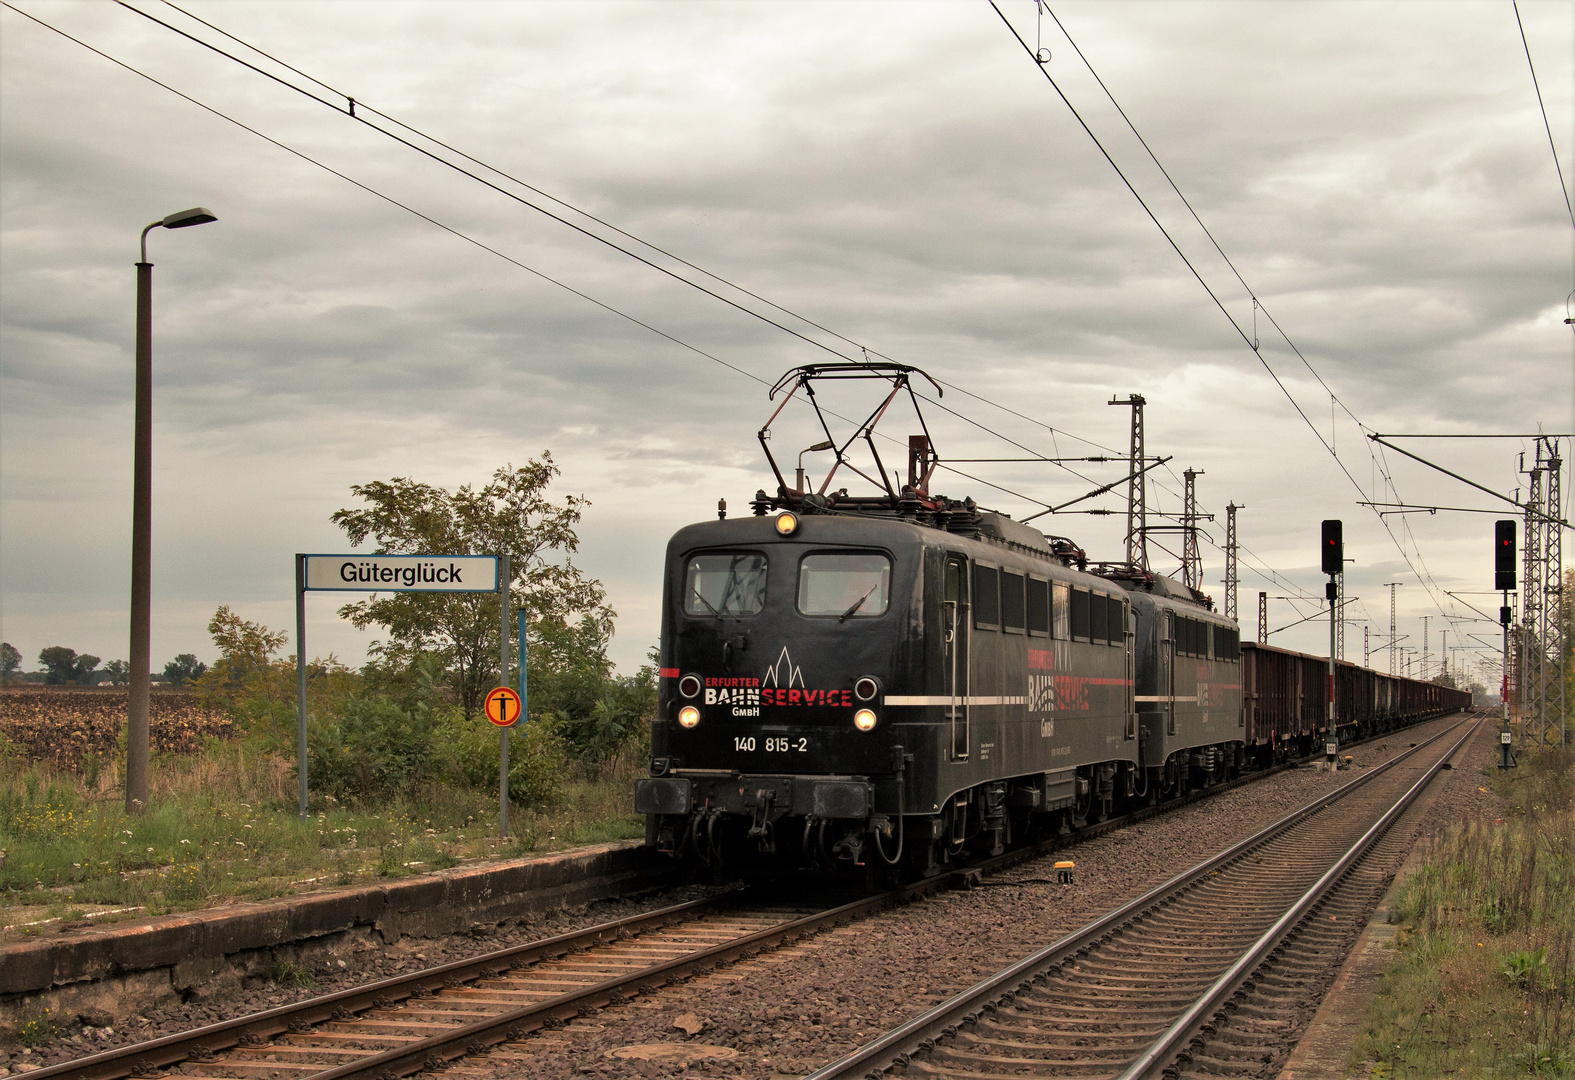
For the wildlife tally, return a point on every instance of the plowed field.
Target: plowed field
(61, 725)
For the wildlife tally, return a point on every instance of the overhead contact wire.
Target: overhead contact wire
(353, 108)
(1563, 190)
(456, 232)
(1424, 578)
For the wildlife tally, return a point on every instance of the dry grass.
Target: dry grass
(1483, 984)
(223, 826)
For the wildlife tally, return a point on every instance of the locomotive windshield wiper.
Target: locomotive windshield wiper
(857, 604)
(707, 603)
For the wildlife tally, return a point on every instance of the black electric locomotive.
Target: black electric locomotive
(898, 679)
(895, 680)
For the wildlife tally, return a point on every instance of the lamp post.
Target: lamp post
(142, 522)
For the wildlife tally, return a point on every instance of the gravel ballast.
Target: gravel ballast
(791, 1011)
(800, 1008)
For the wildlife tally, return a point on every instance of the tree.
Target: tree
(118, 672)
(511, 515)
(186, 668)
(10, 662)
(60, 665)
(572, 681)
(246, 662)
(83, 670)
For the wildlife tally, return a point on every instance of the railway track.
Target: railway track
(1131, 993)
(432, 1017)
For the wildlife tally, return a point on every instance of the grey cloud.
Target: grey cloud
(901, 174)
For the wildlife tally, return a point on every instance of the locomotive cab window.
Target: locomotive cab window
(1012, 603)
(731, 583)
(1118, 621)
(986, 597)
(849, 586)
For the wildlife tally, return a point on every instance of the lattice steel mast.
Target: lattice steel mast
(1137, 487)
(1230, 559)
(1191, 557)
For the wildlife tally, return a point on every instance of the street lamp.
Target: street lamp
(142, 521)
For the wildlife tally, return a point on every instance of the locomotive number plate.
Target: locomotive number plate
(772, 744)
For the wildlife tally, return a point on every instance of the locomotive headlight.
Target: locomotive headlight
(787, 523)
(864, 719)
(689, 716)
(689, 685)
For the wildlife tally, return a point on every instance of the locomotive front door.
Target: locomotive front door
(1167, 670)
(954, 634)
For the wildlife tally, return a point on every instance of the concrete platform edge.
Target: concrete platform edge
(172, 954)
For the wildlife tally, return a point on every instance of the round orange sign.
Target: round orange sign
(502, 706)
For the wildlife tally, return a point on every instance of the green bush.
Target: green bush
(538, 758)
(374, 749)
(597, 713)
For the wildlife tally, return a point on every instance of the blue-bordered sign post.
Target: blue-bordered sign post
(398, 573)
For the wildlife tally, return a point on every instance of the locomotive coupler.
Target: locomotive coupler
(850, 848)
(760, 829)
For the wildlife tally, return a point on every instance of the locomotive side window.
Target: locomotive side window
(728, 584)
(1098, 618)
(1012, 603)
(1118, 621)
(848, 586)
(1227, 644)
(986, 597)
(1038, 608)
(1080, 614)
(1061, 611)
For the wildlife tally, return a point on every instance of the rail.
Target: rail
(920, 1034)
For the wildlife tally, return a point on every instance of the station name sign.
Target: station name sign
(401, 573)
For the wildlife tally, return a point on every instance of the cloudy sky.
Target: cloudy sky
(902, 174)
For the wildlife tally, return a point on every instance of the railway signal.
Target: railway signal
(1504, 555)
(1333, 550)
(1333, 547)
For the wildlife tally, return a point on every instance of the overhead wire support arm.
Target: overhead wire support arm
(1098, 491)
(1383, 440)
(1315, 615)
(1409, 508)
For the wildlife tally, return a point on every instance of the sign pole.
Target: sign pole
(300, 675)
(1332, 739)
(503, 680)
(522, 646)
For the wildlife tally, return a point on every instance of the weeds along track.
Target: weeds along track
(432, 1017)
(1139, 992)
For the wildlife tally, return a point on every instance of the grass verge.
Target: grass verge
(223, 826)
(1483, 982)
